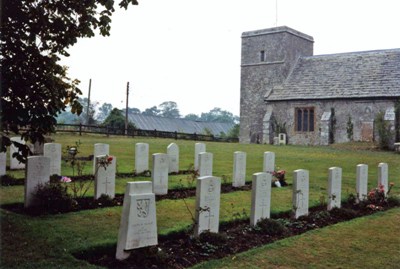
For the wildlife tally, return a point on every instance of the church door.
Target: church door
(367, 131)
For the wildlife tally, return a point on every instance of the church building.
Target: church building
(313, 99)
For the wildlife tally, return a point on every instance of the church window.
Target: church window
(262, 56)
(304, 119)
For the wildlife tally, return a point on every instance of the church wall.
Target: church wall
(362, 113)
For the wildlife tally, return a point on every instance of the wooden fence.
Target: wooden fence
(96, 129)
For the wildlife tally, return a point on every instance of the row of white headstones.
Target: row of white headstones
(138, 227)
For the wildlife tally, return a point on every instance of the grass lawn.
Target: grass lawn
(49, 241)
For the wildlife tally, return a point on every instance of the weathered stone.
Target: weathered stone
(53, 151)
(37, 173)
(99, 150)
(334, 187)
(260, 197)
(159, 173)
(300, 193)
(362, 182)
(269, 162)
(141, 157)
(138, 226)
(383, 174)
(104, 181)
(239, 169)
(198, 148)
(173, 155)
(208, 193)
(205, 164)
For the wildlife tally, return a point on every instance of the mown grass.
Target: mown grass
(49, 241)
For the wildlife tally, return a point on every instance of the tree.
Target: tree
(152, 111)
(104, 111)
(169, 109)
(218, 115)
(35, 87)
(116, 120)
(83, 117)
(192, 116)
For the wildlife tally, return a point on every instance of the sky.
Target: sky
(188, 51)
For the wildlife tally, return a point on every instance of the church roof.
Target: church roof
(365, 74)
(145, 122)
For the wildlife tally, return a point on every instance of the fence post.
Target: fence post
(195, 136)
(107, 131)
(80, 128)
(176, 135)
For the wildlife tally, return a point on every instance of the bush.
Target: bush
(53, 198)
(271, 227)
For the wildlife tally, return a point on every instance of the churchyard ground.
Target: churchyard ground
(50, 241)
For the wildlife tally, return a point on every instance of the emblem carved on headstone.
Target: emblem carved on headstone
(143, 206)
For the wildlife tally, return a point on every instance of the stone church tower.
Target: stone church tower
(267, 58)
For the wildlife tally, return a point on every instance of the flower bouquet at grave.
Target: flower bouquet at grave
(376, 198)
(279, 178)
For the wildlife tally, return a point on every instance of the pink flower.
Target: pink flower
(65, 179)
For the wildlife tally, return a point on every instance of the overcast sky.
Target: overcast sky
(189, 51)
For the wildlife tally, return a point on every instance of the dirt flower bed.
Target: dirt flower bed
(182, 250)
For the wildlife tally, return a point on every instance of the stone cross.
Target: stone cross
(173, 154)
(334, 187)
(239, 169)
(300, 193)
(138, 226)
(37, 173)
(198, 148)
(383, 172)
(205, 164)
(53, 151)
(159, 173)
(362, 182)
(104, 180)
(141, 157)
(269, 162)
(260, 197)
(99, 149)
(208, 193)
(14, 163)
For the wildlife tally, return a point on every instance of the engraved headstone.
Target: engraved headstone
(383, 172)
(198, 148)
(99, 149)
(53, 151)
(3, 163)
(138, 226)
(173, 155)
(334, 187)
(159, 173)
(239, 169)
(141, 157)
(269, 162)
(260, 197)
(205, 164)
(104, 180)
(300, 192)
(362, 181)
(14, 163)
(37, 172)
(208, 194)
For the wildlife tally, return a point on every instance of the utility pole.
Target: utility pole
(126, 110)
(88, 103)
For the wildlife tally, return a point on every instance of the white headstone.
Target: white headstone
(14, 163)
(99, 150)
(260, 197)
(104, 179)
(37, 172)
(3, 163)
(53, 151)
(205, 164)
(282, 139)
(141, 157)
(239, 169)
(362, 181)
(300, 192)
(173, 155)
(198, 148)
(208, 194)
(159, 173)
(138, 227)
(269, 162)
(383, 174)
(334, 187)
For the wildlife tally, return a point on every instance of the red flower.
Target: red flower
(109, 159)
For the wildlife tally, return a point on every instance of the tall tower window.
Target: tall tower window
(262, 56)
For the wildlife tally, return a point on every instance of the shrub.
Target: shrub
(53, 198)
(271, 227)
